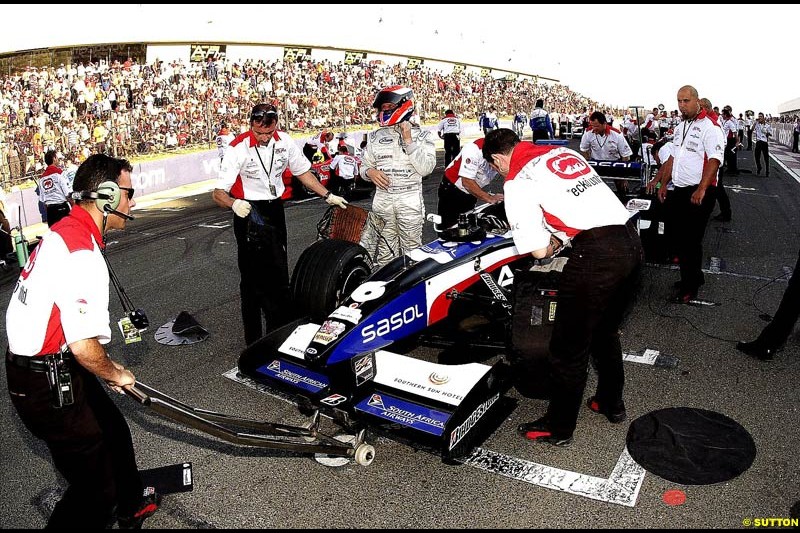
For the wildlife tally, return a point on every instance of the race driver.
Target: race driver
(398, 155)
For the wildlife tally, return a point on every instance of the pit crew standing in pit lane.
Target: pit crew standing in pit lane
(344, 168)
(450, 130)
(552, 190)
(397, 157)
(604, 143)
(463, 183)
(60, 306)
(697, 152)
(540, 123)
(53, 190)
(250, 179)
(224, 138)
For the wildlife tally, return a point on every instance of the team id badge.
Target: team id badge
(129, 331)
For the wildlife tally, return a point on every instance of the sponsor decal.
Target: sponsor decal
(376, 401)
(461, 431)
(551, 314)
(385, 140)
(334, 399)
(394, 322)
(354, 58)
(347, 313)
(468, 161)
(329, 332)
(426, 388)
(295, 375)
(297, 55)
(568, 166)
(312, 351)
(199, 53)
(364, 369)
(438, 379)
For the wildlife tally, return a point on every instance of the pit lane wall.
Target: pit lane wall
(155, 176)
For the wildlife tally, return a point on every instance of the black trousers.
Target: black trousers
(539, 134)
(452, 202)
(750, 139)
(56, 212)
(264, 269)
(722, 197)
(731, 166)
(795, 139)
(776, 332)
(452, 146)
(90, 443)
(689, 223)
(594, 291)
(762, 147)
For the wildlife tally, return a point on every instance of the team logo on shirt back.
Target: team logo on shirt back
(568, 166)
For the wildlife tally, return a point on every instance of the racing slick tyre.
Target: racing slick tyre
(325, 274)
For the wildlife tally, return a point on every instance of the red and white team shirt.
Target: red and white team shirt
(469, 163)
(550, 188)
(347, 165)
(252, 172)
(695, 142)
(611, 146)
(62, 293)
(53, 188)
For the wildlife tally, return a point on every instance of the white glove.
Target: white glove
(338, 201)
(241, 208)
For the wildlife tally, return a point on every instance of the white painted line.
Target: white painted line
(622, 486)
(218, 225)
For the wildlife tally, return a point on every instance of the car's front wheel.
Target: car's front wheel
(325, 274)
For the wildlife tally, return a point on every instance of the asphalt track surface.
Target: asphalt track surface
(180, 255)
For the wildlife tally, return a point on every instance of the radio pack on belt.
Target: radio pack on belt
(60, 380)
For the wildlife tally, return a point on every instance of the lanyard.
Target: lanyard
(268, 172)
(685, 123)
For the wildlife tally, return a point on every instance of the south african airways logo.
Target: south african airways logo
(568, 166)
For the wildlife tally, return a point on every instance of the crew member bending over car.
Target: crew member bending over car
(250, 179)
(551, 190)
(463, 182)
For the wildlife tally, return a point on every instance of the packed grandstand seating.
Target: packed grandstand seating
(128, 109)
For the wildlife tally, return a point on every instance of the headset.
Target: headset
(106, 197)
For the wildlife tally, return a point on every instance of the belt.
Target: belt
(606, 230)
(40, 363)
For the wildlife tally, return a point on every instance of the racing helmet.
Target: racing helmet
(396, 94)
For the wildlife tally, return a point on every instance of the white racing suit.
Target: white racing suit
(401, 205)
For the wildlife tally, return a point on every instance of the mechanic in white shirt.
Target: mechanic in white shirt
(251, 184)
(463, 183)
(344, 169)
(553, 191)
(604, 143)
(697, 152)
(450, 129)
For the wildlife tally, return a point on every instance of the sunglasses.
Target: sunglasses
(130, 191)
(262, 115)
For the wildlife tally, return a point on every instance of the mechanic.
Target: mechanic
(53, 190)
(450, 130)
(57, 324)
(552, 190)
(540, 122)
(697, 152)
(397, 157)
(344, 168)
(250, 184)
(463, 182)
(318, 143)
(224, 138)
(604, 143)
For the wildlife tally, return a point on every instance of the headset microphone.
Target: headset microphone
(107, 208)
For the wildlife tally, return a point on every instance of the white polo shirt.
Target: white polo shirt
(469, 163)
(609, 147)
(695, 142)
(248, 170)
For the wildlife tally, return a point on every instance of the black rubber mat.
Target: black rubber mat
(690, 446)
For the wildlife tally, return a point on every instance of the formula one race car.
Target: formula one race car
(338, 360)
